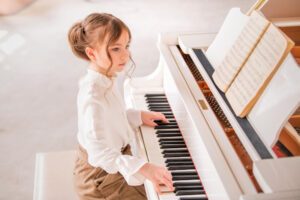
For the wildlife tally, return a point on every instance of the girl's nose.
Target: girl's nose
(125, 55)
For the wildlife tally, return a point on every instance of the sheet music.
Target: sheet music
(240, 51)
(257, 71)
(229, 32)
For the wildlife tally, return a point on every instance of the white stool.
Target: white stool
(54, 176)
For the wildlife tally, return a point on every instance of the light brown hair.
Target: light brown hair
(92, 31)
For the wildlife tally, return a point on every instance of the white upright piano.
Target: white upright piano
(211, 153)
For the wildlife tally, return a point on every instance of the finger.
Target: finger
(165, 120)
(162, 117)
(157, 189)
(168, 175)
(168, 183)
(151, 123)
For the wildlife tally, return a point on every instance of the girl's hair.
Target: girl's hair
(92, 31)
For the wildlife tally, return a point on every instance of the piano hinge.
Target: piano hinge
(202, 104)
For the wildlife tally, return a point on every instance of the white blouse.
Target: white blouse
(105, 126)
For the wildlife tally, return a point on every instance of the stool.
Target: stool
(54, 176)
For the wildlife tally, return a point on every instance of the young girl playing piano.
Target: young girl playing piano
(105, 168)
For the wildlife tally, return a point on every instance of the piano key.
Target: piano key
(187, 183)
(161, 109)
(169, 116)
(186, 177)
(169, 146)
(176, 151)
(188, 187)
(155, 95)
(172, 155)
(189, 192)
(182, 173)
(173, 164)
(165, 105)
(171, 142)
(159, 122)
(168, 131)
(179, 160)
(181, 167)
(169, 138)
(167, 123)
(166, 127)
(157, 101)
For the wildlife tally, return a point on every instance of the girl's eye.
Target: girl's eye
(116, 49)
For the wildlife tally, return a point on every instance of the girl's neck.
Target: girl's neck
(100, 70)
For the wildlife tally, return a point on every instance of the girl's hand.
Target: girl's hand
(158, 176)
(149, 117)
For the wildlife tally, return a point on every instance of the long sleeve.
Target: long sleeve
(134, 117)
(100, 153)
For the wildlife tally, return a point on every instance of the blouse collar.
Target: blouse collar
(100, 78)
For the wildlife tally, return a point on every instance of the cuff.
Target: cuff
(134, 118)
(129, 167)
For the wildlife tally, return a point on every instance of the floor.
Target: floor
(39, 74)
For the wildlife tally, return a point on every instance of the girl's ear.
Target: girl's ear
(90, 53)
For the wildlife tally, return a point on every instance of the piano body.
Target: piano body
(211, 153)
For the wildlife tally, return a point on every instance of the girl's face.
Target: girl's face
(119, 52)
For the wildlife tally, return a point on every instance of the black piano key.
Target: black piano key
(165, 123)
(172, 155)
(161, 109)
(159, 106)
(155, 95)
(175, 164)
(161, 122)
(178, 137)
(179, 160)
(175, 151)
(171, 142)
(183, 173)
(169, 116)
(193, 198)
(181, 167)
(172, 146)
(168, 131)
(194, 183)
(156, 101)
(193, 187)
(186, 177)
(167, 113)
(189, 192)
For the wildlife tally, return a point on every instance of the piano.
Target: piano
(211, 153)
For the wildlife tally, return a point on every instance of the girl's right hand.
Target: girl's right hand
(157, 175)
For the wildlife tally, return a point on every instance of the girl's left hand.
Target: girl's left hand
(148, 118)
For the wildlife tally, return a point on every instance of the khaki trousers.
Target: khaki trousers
(94, 183)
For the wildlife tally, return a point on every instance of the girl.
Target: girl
(105, 168)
